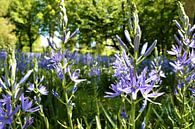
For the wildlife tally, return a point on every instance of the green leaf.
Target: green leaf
(98, 123)
(108, 117)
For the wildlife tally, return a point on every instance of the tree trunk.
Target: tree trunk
(190, 10)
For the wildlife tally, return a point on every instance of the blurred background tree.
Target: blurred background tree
(156, 21)
(98, 20)
(7, 37)
(23, 13)
(190, 10)
(48, 16)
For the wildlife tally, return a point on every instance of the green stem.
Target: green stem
(183, 110)
(20, 122)
(69, 111)
(132, 119)
(44, 117)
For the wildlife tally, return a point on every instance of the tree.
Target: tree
(24, 15)
(98, 20)
(49, 16)
(156, 21)
(7, 37)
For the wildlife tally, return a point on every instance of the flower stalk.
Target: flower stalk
(133, 115)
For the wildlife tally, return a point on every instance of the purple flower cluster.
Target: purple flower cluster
(15, 104)
(6, 111)
(184, 63)
(130, 82)
(54, 62)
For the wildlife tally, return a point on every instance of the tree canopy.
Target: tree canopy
(7, 37)
(98, 21)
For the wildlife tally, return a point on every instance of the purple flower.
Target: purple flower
(116, 91)
(6, 99)
(28, 122)
(6, 112)
(27, 105)
(175, 50)
(55, 59)
(55, 93)
(130, 82)
(143, 124)
(60, 72)
(147, 94)
(74, 76)
(43, 90)
(31, 87)
(181, 62)
(95, 72)
(124, 114)
(184, 64)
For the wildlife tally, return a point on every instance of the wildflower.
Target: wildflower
(75, 75)
(54, 60)
(31, 87)
(28, 122)
(55, 93)
(6, 113)
(27, 105)
(124, 114)
(144, 124)
(25, 77)
(115, 89)
(130, 83)
(147, 94)
(74, 89)
(175, 50)
(43, 90)
(60, 72)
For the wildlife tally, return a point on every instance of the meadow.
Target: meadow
(136, 88)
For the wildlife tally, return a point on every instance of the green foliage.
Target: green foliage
(4, 4)
(101, 20)
(24, 15)
(7, 37)
(156, 18)
(48, 16)
(98, 20)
